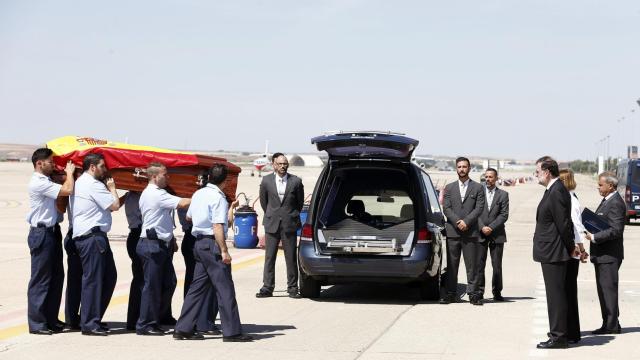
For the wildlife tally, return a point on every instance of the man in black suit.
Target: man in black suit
(552, 246)
(492, 233)
(463, 203)
(607, 252)
(281, 198)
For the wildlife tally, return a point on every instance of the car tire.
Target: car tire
(430, 288)
(309, 287)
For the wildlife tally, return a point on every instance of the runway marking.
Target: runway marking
(540, 321)
(23, 329)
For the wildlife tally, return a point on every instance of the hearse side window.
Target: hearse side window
(431, 194)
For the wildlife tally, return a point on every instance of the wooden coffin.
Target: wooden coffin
(127, 165)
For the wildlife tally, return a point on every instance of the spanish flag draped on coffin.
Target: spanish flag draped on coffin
(127, 164)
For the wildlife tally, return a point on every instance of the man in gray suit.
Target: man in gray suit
(492, 233)
(607, 252)
(463, 204)
(281, 198)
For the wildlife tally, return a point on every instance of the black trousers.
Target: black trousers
(607, 284)
(135, 290)
(41, 290)
(496, 251)
(210, 273)
(157, 268)
(99, 277)
(207, 318)
(469, 248)
(290, 246)
(555, 283)
(57, 278)
(74, 282)
(573, 315)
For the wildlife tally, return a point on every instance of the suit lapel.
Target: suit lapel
(456, 191)
(466, 194)
(274, 187)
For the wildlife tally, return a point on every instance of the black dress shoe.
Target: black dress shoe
(553, 344)
(74, 327)
(238, 338)
(41, 332)
(150, 331)
(603, 330)
(95, 332)
(476, 301)
(131, 327)
(294, 295)
(264, 293)
(497, 297)
(573, 341)
(60, 323)
(179, 335)
(214, 331)
(56, 329)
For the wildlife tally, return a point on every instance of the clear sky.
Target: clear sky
(496, 78)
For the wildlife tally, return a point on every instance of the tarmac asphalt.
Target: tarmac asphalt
(346, 322)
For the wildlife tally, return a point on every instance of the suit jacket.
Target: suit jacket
(285, 214)
(467, 209)
(553, 237)
(607, 245)
(496, 217)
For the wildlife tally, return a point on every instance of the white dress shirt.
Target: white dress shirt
(156, 207)
(281, 185)
(490, 193)
(91, 203)
(42, 200)
(208, 206)
(463, 188)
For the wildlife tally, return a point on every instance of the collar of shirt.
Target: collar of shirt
(610, 195)
(491, 189)
(282, 178)
(215, 187)
(153, 186)
(551, 183)
(40, 175)
(460, 183)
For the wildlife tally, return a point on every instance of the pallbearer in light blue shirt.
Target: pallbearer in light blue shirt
(42, 296)
(94, 199)
(208, 213)
(155, 249)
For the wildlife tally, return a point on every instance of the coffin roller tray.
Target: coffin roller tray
(127, 164)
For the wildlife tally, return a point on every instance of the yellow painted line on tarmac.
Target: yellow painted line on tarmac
(18, 330)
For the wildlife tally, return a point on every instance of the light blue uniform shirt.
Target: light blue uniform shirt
(156, 206)
(208, 206)
(91, 203)
(42, 200)
(132, 209)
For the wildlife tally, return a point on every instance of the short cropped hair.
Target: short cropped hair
(40, 154)
(154, 168)
(91, 159)
(275, 156)
(492, 169)
(217, 174)
(610, 178)
(566, 176)
(462, 158)
(547, 163)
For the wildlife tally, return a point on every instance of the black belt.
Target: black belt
(94, 230)
(44, 226)
(201, 236)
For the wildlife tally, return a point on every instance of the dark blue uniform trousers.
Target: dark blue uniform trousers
(135, 290)
(206, 320)
(57, 278)
(210, 274)
(41, 292)
(74, 282)
(98, 278)
(159, 276)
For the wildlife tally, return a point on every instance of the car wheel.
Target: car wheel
(309, 287)
(430, 288)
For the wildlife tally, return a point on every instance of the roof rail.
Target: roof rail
(337, 132)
